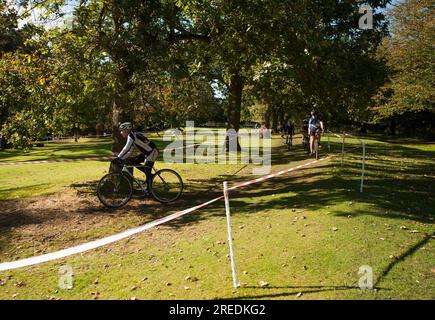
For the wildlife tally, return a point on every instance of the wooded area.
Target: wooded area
(160, 63)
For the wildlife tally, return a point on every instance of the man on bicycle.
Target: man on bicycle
(289, 131)
(148, 150)
(304, 131)
(315, 128)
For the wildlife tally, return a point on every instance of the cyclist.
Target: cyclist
(315, 128)
(148, 150)
(304, 131)
(289, 131)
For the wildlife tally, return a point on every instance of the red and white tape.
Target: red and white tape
(125, 234)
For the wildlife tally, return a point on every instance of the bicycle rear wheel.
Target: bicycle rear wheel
(316, 147)
(114, 190)
(166, 185)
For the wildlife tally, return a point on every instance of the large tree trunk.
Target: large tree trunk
(120, 107)
(3, 115)
(99, 128)
(282, 118)
(275, 120)
(235, 104)
(118, 116)
(393, 126)
(267, 115)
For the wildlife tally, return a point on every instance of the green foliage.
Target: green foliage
(159, 63)
(409, 55)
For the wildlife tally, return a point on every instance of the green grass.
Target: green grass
(306, 233)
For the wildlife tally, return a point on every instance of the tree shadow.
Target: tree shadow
(291, 190)
(301, 290)
(403, 256)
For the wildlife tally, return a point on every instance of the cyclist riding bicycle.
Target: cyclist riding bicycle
(148, 151)
(304, 131)
(288, 131)
(315, 128)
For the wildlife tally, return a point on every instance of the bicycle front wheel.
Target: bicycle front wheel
(166, 185)
(114, 190)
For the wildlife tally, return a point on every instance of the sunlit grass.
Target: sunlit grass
(306, 233)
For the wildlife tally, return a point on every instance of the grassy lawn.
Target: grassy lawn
(305, 233)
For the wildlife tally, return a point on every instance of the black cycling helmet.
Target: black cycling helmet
(314, 113)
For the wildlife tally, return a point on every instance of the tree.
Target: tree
(409, 55)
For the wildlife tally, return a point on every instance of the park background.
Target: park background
(78, 68)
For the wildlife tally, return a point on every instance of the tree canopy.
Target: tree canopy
(159, 63)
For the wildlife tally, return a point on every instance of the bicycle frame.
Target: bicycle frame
(127, 172)
(316, 138)
(141, 186)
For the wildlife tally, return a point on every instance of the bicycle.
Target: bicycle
(115, 189)
(289, 140)
(316, 138)
(306, 142)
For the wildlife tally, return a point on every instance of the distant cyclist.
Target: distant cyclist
(148, 150)
(315, 128)
(304, 131)
(289, 131)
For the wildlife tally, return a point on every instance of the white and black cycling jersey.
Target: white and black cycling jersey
(138, 140)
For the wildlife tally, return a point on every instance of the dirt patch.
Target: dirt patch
(60, 219)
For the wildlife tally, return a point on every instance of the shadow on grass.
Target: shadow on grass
(301, 290)
(296, 189)
(402, 257)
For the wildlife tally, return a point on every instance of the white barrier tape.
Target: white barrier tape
(97, 243)
(273, 175)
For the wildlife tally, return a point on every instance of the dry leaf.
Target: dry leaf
(263, 284)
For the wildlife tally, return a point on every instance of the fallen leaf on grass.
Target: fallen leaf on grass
(264, 284)
(190, 278)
